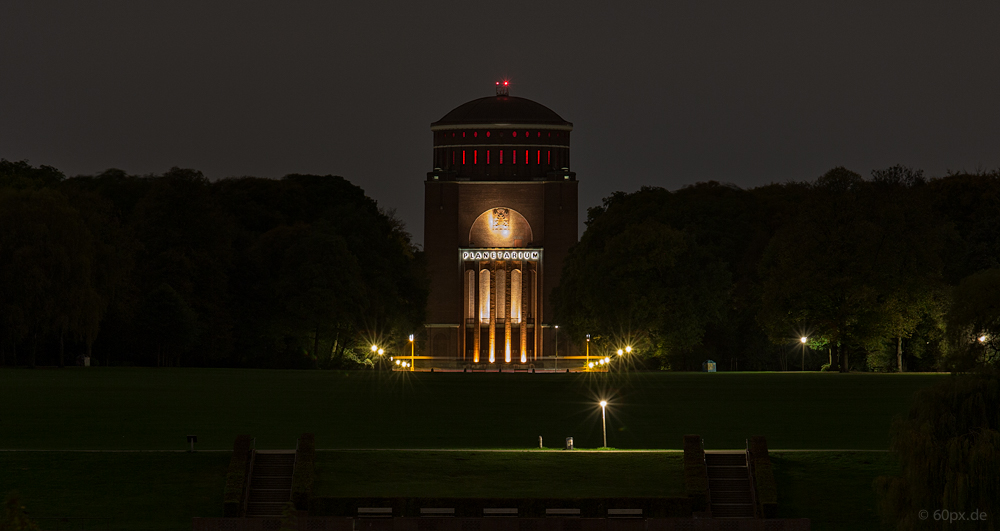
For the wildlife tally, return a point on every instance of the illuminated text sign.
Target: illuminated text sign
(530, 255)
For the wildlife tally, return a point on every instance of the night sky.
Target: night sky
(660, 93)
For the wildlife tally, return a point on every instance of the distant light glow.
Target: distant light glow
(804, 339)
(374, 348)
(628, 349)
(381, 351)
(620, 352)
(982, 339)
(604, 403)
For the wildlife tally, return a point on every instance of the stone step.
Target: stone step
(274, 510)
(279, 471)
(732, 510)
(735, 496)
(271, 482)
(727, 472)
(739, 459)
(728, 485)
(269, 495)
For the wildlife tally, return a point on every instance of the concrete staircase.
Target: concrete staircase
(270, 483)
(729, 485)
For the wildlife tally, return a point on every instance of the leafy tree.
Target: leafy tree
(857, 265)
(633, 278)
(48, 268)
(974, 322)
(167, 325)
(948, 448)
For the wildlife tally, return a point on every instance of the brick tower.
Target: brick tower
(500, 215)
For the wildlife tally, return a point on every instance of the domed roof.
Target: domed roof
(501, 109)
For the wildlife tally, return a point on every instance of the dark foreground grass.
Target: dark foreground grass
(499, 474)
(153, 409)
(833, 489)
(161, 491)
(115, 491)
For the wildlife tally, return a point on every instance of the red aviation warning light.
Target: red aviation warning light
(504, 89)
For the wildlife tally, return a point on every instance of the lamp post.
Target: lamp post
(411, 352)
(604, 426)
(557, 347)
(588, 349)
(803, 339)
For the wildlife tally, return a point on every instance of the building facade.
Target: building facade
(500, 215)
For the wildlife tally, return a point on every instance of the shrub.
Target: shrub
(695, 473)
(236, 476)
(304, 474)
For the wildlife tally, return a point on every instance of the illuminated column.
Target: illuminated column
(507, 312)
(478, 330)
(535, 277)
(524, 312)
(493, 313)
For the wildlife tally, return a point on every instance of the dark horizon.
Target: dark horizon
(659, 95)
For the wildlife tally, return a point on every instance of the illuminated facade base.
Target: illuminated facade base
(501, 294)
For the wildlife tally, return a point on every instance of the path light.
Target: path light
(381, 351)
(803, 339)
(620, 352)
(590, 365)
(628, 349)
(604, 426)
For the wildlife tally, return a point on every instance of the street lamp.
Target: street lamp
(620, 352)
(588, 350)
(411, 352)
(604, 426)
(803, 339)
(628, 349)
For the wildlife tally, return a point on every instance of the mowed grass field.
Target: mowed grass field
(163, 490)
(154, 409)
(112, 436)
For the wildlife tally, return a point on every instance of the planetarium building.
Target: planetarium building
(500, 215)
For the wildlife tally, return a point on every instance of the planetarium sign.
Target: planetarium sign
(528, 255)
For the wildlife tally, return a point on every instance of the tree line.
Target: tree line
(175, 270)
(890, 273)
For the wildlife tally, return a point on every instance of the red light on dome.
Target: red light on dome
(487, 134)
(475, 133)
(463, 157)
(526, 156)
(539, 156)
(513, 152)
(475, 156)
(515, 133)
(504, 82)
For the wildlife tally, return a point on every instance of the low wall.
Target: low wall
(502, 524)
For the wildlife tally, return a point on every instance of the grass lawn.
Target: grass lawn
(833, 489)
(153, 409)
(116, 491)
(161, 491)
(498, 474)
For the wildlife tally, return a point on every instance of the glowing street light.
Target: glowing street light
(604, 426)
(411, 352)
(982, 339)
(381, 351)
(374, 348)
(803, 339)
(620, 352)
(628, 349)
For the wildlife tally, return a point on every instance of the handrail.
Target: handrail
(246, 482)
(753, 481)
